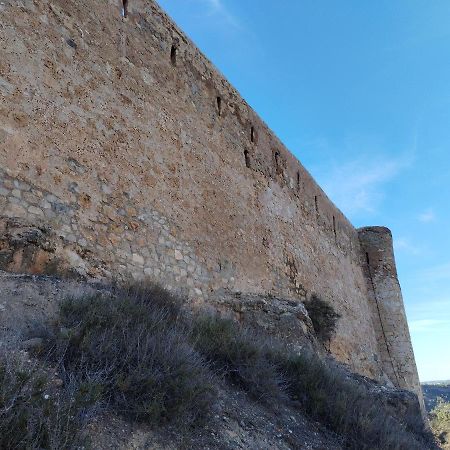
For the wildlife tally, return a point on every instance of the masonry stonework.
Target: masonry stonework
(388, 311)
(124, 152)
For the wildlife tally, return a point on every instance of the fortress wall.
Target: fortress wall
(388, 309)
(114, 143)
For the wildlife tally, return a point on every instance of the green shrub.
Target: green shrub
(243, 356)
(440, 422)
(347, 406)
(323, 317)
(35, 415)
(133, 347)
(321, 388)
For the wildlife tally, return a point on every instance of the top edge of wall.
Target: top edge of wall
(224, 86)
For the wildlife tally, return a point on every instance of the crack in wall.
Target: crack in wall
(385, 340)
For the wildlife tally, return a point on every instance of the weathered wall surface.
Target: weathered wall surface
(131, 154)
(385, 296)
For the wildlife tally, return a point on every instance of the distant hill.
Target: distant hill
(433, 390)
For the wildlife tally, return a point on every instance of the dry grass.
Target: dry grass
(36, 415)
(132, 347)
(321, 388)
(131, 351)
(242, 355)
(348, 406)
(440, 423)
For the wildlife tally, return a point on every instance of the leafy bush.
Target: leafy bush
(324, 318)
(33, 415)
(132, 347)
(440, 422)
(242, 355)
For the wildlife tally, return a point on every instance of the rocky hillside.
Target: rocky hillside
(250, 403)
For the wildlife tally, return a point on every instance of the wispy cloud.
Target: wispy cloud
(425, 325)
(208, 14)
(358, 186)
(437, 307)
(403, 244)
(218, 9)
(427, 216)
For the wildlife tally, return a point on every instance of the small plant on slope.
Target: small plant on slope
(33, 413)
(324, 318)
(243, 356)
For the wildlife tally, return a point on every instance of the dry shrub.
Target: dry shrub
(133, 347)
(440, 422)
(33, 413)
(323, 389)
(345, 403)
(243, 356)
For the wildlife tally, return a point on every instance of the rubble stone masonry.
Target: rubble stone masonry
(124, 152)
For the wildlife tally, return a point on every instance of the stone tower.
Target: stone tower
(385, 298)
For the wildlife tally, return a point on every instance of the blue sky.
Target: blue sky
(360, 93)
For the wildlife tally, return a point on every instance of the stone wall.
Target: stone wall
(385, 296)
(131, 155)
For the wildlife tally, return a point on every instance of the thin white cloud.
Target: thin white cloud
(437, 307)
(218, 9)
(427, 216)
(358, 186)
(358, 183)
(425, 325)
(403, 244)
